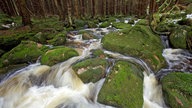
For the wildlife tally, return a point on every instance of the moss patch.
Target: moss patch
(177, 89)
(26, 51)
(58, 39)
(90, 70)
(123, 88)
(138, 41)
(57, 55)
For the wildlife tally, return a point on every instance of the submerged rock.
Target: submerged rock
(123, 87)
(57, 55)
(177, 89)
(91, 70)
(87, 36)
(137, 41)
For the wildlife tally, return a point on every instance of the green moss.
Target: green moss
(58, 54)
(7, 42)
(138, 41)
(26, 51)
(90, 70)
(105, 24)
(142, 22)
(58, 39)
(120, 25)
(123, 88)
(47, 22)
(90, 63)
(98, 53)
(177, 89)
(178, 37)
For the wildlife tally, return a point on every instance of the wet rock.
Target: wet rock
(178, 37)
(177, 90)
(25, 52)
(11, 68)
(59, 39)
(137, 41)
(90, 70)
(57, 55)
(87, 36)
(123, 87)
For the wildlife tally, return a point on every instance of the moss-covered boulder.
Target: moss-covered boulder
(123, 87)
(58, 39)
(177, 90)
(178, 37)
(121, 25)
(57, 55)
(90, 70)
(26, 51)
(137, 41)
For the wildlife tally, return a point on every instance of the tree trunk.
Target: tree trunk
(26, 18)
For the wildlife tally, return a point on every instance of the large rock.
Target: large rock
(137, 41)
(178, 37)
(57, 55)
(59, 39)
(25, 52)
(123, 87)
(91, 70)
(177, 90)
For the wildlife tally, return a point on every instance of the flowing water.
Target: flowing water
(40, 86)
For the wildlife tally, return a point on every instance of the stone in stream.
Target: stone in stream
(177, 90)
(25, 52)
(90, 70)
(123, 87)
(57, 55)
(137, 41)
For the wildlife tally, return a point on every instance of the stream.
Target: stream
(41, 86)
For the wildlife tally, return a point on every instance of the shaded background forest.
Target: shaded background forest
(72, 9)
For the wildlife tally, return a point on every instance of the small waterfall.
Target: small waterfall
(152, 92)
(165, 41)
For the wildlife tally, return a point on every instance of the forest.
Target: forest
(95, 53)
